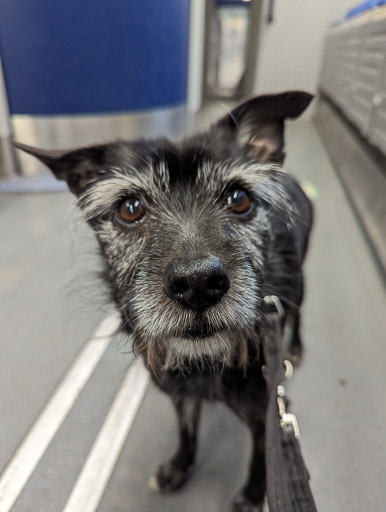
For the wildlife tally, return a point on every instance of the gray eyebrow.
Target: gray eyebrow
(103, 193)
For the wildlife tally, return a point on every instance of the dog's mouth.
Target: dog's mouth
(204, 331)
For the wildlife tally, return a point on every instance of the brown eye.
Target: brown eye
(131, 210)
(238, 201)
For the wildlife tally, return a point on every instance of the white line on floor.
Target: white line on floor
(97, 469)
(32, 448)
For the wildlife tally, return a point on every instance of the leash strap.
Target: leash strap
(288, 488)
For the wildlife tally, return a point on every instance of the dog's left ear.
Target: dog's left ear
(79, 167)
(258, 124)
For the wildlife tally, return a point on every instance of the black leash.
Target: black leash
(288, 488)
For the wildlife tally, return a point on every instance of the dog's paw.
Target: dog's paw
(241, 504)
(167, 478)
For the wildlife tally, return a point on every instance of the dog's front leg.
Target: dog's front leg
(251, 497)
(172, 474)
(249, 403)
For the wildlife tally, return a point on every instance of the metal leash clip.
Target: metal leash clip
(287, 420)
(288, 369)
(275, 301)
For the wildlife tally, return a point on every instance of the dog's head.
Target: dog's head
(183, 228)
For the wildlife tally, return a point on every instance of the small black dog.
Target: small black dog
(193, 236)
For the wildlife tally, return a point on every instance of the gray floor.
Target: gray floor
(51, 302)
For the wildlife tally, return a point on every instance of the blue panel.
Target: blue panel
(363, 7)
(86, 56)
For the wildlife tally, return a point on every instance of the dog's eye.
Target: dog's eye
(238, 201)
(131, 210)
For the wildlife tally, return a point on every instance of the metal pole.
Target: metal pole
(7, 162)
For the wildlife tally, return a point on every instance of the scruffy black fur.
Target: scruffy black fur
(193, 236)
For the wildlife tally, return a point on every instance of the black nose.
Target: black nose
(196, 283)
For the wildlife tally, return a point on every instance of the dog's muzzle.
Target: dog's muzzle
(196, 283)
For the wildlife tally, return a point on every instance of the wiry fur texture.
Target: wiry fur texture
(201, 224)
(211, 353)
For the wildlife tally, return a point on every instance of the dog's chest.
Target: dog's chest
(208, 385)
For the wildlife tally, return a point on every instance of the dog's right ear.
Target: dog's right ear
(78, 167)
